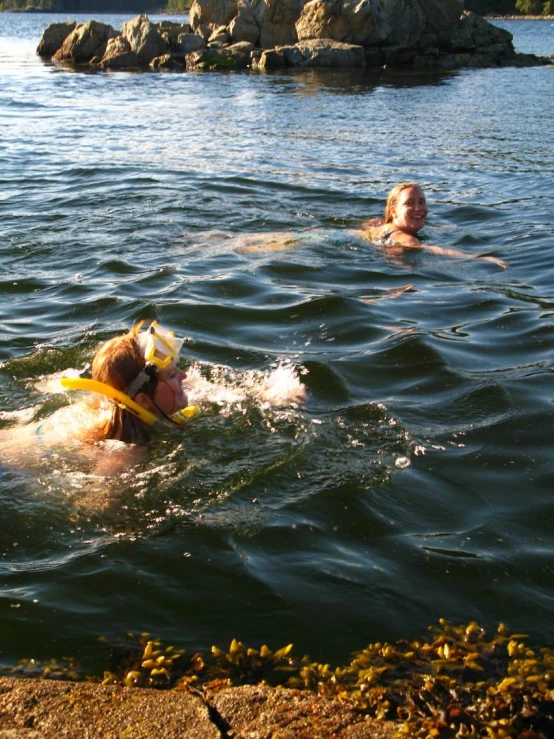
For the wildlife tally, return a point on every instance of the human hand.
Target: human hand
(499, 262)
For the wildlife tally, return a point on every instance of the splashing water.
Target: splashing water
(230, 389)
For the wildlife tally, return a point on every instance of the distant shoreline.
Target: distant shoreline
(519, 17)
(48, 11)
(164, 11)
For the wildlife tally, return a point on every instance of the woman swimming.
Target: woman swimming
(405, 215)
(135, 384)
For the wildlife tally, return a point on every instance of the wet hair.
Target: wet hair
(393, 196)
(117, 363)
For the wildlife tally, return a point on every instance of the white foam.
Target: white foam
(279, 386)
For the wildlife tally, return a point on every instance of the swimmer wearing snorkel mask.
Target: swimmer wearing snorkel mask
(135, 384)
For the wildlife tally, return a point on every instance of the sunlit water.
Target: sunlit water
(416, 482)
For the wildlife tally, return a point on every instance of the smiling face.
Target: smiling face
(410, 210)
(170, 396)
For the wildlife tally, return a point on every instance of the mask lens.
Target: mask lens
(159, 345)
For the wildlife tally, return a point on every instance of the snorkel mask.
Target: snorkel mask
(159, 346)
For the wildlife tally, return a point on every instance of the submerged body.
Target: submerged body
(71, 431)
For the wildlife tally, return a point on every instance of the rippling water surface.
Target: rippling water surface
(417, 481)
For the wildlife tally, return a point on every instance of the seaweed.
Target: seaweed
(457, 682)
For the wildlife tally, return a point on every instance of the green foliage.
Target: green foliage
(529, 7)
(494, 7)
(178, 6)
(86, 6)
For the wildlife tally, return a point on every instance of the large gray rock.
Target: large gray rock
(410, 19)
(269, 59)
(84, 42)
(118, 55)
(144, 39)
(267, 23)
(166, 61)
(441, 14)
(212, 13)
(473, 32)
(53, 37)
(258, 711)
(324, 53)
(219, 36)
(278, 22)
(351, 21)
(188, 42)
(236, 56)
(58, 709)
(407, 21)
(420, 34)
(170, 32)
(245, 26)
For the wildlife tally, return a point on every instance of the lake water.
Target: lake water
(418, 480)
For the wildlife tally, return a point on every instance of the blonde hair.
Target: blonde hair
(393, 196)
(117, 363)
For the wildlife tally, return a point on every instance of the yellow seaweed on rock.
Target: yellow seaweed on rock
(456, 683)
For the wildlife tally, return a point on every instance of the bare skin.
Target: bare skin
(408, 217)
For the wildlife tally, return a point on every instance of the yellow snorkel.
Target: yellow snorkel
(122, 400)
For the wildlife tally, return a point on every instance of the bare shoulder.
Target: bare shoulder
(373, 229)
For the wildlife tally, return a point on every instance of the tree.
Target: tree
(529, 7)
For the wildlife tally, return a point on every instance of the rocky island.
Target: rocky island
(269, 34)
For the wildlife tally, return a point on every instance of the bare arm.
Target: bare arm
(461, 255)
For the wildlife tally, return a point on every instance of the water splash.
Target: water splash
(231, 390)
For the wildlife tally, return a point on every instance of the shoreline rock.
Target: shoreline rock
(53, 709)
(250, 34)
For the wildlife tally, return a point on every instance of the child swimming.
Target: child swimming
(405, 215)
(135, 384)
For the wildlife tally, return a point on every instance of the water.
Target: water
(416, 483)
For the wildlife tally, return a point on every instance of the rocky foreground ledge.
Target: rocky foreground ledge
(52, 709)
(271, 34)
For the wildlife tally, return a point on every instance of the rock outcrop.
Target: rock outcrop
(85, 42)
(364, 23)
(53, 38)
(53, 709)
(264, 34)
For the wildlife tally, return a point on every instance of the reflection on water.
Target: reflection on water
(416, 480)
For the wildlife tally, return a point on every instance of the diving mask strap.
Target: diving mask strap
(147, 374)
